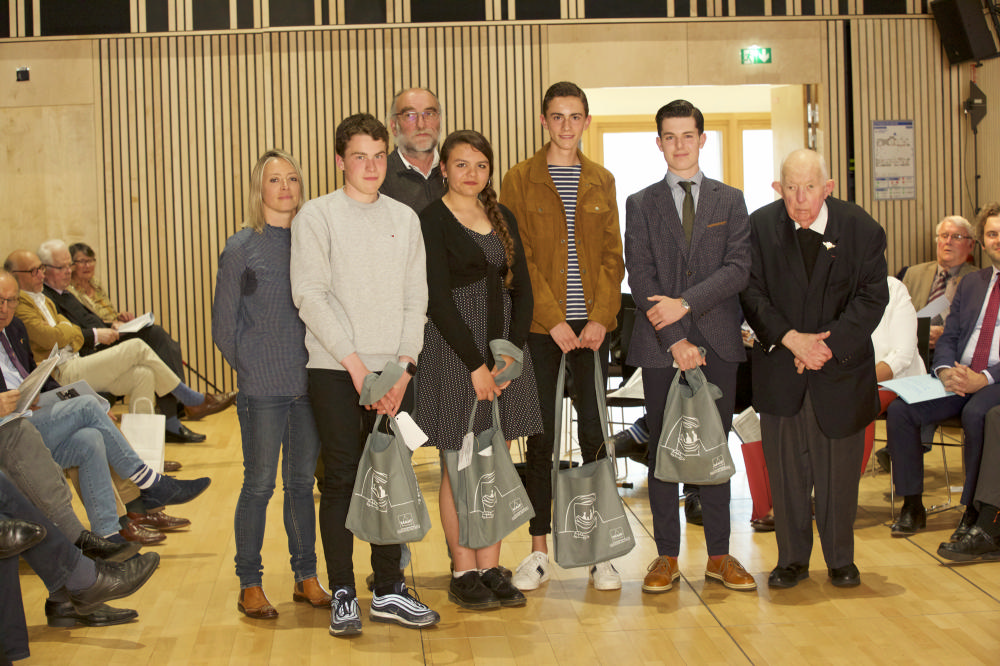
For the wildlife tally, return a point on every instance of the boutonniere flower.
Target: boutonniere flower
(828, 245)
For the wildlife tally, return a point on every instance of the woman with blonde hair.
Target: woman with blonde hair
(257, 328)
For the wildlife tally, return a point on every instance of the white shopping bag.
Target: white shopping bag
(145, 432)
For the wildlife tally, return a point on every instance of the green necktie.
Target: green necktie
(687, 210)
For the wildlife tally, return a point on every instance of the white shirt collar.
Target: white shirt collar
(409, 165)
(819, 224)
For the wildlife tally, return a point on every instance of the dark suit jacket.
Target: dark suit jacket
(708, 274)
(18, 336)
(70, 307)
(846, 295)
(961, 322)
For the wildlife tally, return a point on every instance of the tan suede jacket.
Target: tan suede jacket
(528, 191)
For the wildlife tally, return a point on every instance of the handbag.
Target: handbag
(387, 506)
(146, 433)
(589, 523)
(693, 446)
(490, 499)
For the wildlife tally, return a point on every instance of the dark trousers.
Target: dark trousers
(343, 427)
(663, 498)
(545, 356)
(13, 629)
(799, 458)
(988, 488)
(169, 351)
(903, 424)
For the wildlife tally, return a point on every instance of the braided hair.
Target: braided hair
(488, 197)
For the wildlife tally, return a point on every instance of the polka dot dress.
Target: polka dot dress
(444, 387)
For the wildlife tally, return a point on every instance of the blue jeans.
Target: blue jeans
(271, 424)
(80, 434)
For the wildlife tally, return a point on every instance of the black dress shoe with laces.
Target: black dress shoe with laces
(62, 614)
(789, 576)
(846, 576)
(975, 546)
(911, 518)
(17, 536)
(96, 547)
(968, 520)
(114, 581)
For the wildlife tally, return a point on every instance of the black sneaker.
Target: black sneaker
(501, 586)
(345, 617)
(401, 607)
(469, 591)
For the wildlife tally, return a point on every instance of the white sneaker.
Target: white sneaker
(531, 572)
(604, 576)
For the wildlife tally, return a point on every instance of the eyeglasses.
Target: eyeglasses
(944, 236)
(84, 262)
(34, 271)
(11, 302)
(411, 116)
(64, 267)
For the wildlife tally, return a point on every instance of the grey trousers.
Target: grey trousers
(800, 458)
(27, 462)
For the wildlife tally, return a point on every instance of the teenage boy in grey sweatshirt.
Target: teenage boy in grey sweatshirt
(359, 281)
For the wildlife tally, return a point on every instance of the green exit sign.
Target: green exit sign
(755, 55)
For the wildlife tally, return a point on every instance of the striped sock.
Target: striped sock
(144, 477)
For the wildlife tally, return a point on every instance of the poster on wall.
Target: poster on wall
(894, 159)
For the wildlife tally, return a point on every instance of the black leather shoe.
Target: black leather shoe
(96, 547)
(765, 524)
(169, 490)
(882, 458)
(62, 614)
(847, 576)
(968, 520)
(975, 546)
(184, 436)
(692, 508)
(911, 518)
(114, 581)
(17, 536)
(623, 443)
(789, 576)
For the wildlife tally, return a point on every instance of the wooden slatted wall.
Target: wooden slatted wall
(899, 73)
(183, 118)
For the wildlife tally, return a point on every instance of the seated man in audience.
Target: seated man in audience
(85, 584)
(58, 273)
(79, 434)
(935, 279)
(130, 368)
(967, 361)
(981, 543)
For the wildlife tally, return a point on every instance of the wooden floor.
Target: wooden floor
(909, 608)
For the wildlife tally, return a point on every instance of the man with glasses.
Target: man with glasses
(967, 361)
(413, 174)
(936, 279)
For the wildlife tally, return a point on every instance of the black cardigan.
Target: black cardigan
(455, 260)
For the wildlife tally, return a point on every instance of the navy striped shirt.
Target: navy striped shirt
(567, 182)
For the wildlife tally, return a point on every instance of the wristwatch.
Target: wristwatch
(411, 369)
(685, 305)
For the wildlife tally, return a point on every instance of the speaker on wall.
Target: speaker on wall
(964, 32)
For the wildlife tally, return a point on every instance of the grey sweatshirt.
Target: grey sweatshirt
(359, 280)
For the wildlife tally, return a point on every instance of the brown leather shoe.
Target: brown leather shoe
(730, 573)
(662, 573)
(171, 466)
(214, 403)
(139, 534)
(254, 604)
(159, 521)
(765, 524)
(310, 591)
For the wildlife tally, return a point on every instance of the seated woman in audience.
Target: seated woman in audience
(478, 291)
(85, 286)
(257, 328)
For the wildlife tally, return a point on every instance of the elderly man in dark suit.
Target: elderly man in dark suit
(967, 360)
(687, 253)
(817, 291)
